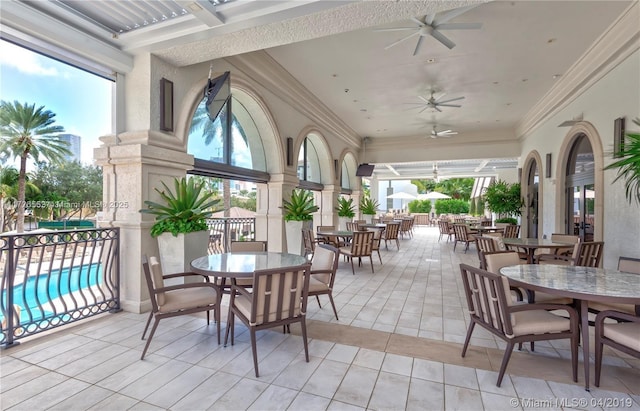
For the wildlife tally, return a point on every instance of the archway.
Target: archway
(531, 188)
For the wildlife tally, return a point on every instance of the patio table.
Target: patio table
(531, 244)
(243, 264)
(583, 284)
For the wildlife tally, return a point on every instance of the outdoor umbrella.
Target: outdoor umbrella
(434, 195)
(401, 196)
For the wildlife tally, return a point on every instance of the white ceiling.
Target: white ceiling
(330, 47)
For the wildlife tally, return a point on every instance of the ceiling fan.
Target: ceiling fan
(431, 24)
(443, 133)
(435, 103)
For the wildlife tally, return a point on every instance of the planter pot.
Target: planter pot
(176, 253)
(367, 218)
(342, 222)
(293, 231)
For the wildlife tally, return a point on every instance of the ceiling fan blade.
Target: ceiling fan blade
(436, 107)
(449, 100)
(448, 105)
(448, 15)
(401, 40)
(418, 22)
(443, 39)
(459, 26)
(445, 131)
(397, 29)
(426, 107)
(418, 44)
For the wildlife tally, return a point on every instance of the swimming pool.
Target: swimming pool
(41, 289)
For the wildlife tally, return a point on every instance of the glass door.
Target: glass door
(580, 190)
(532, 201)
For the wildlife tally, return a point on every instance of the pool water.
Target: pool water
(47, 287)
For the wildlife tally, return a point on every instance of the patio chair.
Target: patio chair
(629, 265)
(490, 307)
(462, 235)
(488, 244)
(175, 300)
(405, 227)
(333, 240)
(324, 265)
(623, 336)
(279, 298)
(361, 246)
(352, 226)
(375, 245)
(445, 229)
(309, 241)
(391, 233)
(498, 259)
(511, 231)
(245, 246)
(585, 254)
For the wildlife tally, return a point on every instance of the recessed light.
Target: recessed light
(508, 104)
(524, 80)
(495, 82)
(551, 40)
(431, 60)
(363, 109)
(334, 75)
(355, 101)
(555, 76)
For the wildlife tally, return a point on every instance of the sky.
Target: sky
(80, 100)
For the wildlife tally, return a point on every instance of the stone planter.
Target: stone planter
(293, 231)
(342, 223)
(176, 253)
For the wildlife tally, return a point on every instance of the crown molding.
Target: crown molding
(614, 46)
(264, 70)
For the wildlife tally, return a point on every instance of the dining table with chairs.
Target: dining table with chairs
(583, 284)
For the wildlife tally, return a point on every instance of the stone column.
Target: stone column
(133, 164)
(279, 187)
(329, 215)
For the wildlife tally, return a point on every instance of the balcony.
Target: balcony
(397, 346)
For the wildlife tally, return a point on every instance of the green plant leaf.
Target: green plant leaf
(185, 209)
(628, 167)
(300, 206)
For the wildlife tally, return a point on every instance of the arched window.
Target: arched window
(209, 141)
(309, 162)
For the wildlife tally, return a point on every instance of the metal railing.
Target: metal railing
(223, 230)
(50, 279)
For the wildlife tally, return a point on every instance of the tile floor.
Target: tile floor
(396, 346)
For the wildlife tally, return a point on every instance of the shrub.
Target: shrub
(420, 206)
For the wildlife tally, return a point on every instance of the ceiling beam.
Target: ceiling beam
(482, 165)
(393, 170)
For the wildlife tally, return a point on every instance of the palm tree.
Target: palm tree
(27, 132)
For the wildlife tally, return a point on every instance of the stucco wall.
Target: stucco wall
(617, 94)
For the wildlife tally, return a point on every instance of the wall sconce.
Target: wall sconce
(166, 105)
(548, 166)
(289, 151)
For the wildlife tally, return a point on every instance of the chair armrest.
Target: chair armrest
(320, 272)
(187, 274)
(616, 315)
(240, 290)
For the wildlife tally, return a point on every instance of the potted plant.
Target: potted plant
(181, 223)
(369, 208)
(504, 200)
(629, 165)
(298, 214)
(346, 211)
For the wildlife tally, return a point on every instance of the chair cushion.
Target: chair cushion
(625, 308)
(317, 286)
(546, 298)
(538, 322)
(157, 278)
(627, 334)
(322, 259)
(188, 298)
